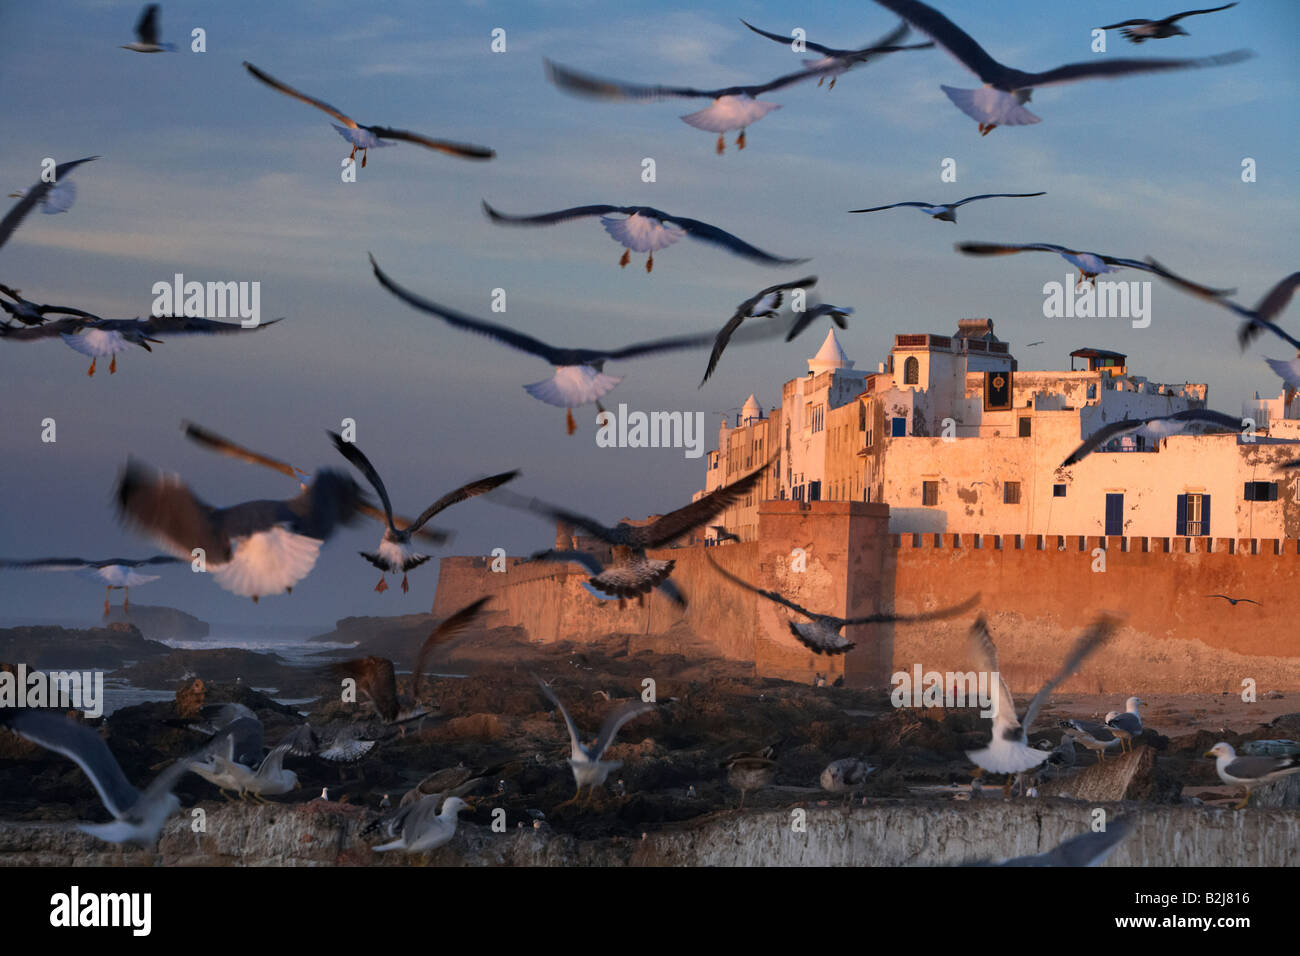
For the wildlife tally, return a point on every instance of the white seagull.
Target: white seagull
(1250, 772)
(1139, 31)
(146, 31)
(39, 194)
(1128, 724)
(250, 549)
(395, 554)
(843, 60)
(1000, 101)
(424, 828)
(1008, 750)
(115, 573)
(1089, 264)
(1201, 419)
(579, 377)
(645, 229)
(1096, 737)
(269, 779)
(364, 137)
(733, 107)
(760, 305)
(822, 633)
(138, 815)
(947, 212)
(588, 769)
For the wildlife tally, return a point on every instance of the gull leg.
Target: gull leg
(1245, 800)
(363, 158)
(92, 366)
(832, 86)
(569, 423)
(625, 259)
(254, 598)
(112, 366)
(742, 800)
(722, 145)
(353, 155)
(650, 263)
(126, 599)
(740, 140)
(405, 587)
(382, 586)
(821, 81)
(107, 592)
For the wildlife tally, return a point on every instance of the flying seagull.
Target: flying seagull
(633, 573)
(1008, 750)
(579, 378)
(1249, 772)
(1096, 737)
(1235, 601)
(395, 554)
(39, 194)
(1257, 319)
(242, 736)
(947, 212)
(1089, 264)
(100, 338)
(1000, 101)
(269, 779)
(1140, 31)
(720, 533)
(138, 815)
(364, 137)
(588, 769)
(1128, 724)
(424, 828)
(146, 31)
(733, 107)
(1155, 428)
(761, 305)
(32, 313)
(251, 549)
(1087, 849)
(619, 580)
(844, 60)
(115, 573)
(821, 633)
(645, 229)
(807, 317)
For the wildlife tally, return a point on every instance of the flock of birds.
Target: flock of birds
(266, 547)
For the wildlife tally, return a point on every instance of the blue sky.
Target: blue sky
(208, 173)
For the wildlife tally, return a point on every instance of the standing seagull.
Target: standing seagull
(1127, 725)
(645, 229)
(1000, 101)
(1250, 772)
(1008, 750)
(251, 549)
(1096, 737)
(588, 769)
(1089, 264)
(761, 305)
(39, 193)
(844, 60)
(146, 30)
(138, 815)
(579, 378)
(424, 828)
(1142, 30)
(1155, 428)
(395, 554)
(364, 137)
(821, 632)
(947, 212)
(733, 107)
(115, 573)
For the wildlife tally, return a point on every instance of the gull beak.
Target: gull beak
(297, 785)
(1209, 753)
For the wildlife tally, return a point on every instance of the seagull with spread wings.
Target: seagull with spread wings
(733, 107)
(52, 197)
(1089, 264)
(1155, 429)
(1001, 100)
(251, 549)
(395, 554)
(579, 378)
(146, 32)
(633, 573)
(1139, 31)
(645, 229)
(836, 313)
(1008, 750)
(588, 769)
(947, 212)
(364, 137)
(843, 60)
(115, 573)
(760, 305)
(822, 633)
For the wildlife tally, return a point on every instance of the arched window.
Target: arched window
(911, 371)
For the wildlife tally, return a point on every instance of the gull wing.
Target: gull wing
(574, 739)
(962, 202)
(815, 47)
(939, 615)
(956, 41)
(146, 28)
(82, 746)
(585, 84)
(625, 712)
(676, 523)
(185, 324)
(1010, 248)
(1250, 768)
(466, 491)
(1100, 437)
(444, 632)
(464, 150)
(1192, 13)
(550, 218)
(362, 464)
(504, 335)
(310, 101)
(985, 654)
(1102, 629)
(1086, 849)
(585, 558)
(225, 446)
(33, 196)
(166, 508)
(720, 237)
(894, 205)
(770, 595)
(1111, 69)
(671, 344)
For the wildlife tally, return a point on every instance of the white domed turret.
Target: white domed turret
(751, 411)
(829, 356)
